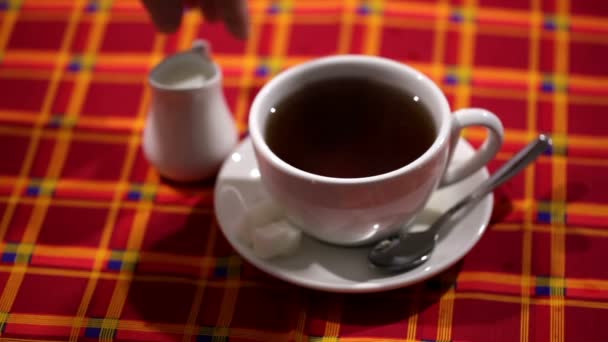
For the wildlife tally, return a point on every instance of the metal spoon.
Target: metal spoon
(410, 250)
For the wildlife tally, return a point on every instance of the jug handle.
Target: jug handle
(202, 47)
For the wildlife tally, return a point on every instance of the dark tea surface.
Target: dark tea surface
(349, 128)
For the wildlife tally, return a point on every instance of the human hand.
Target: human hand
(167, 14)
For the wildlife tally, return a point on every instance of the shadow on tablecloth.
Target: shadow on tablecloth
(223, 291)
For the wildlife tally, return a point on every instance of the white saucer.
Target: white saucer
(327, 267)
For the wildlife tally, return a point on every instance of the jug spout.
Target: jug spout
(188, 70)
(189, 130)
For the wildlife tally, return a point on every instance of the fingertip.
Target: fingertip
(243, 29)
(209, 10)
(166, 15)
(240, 31)
(168, 28)
(236, 18)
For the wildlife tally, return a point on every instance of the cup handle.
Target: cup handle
(473, 117)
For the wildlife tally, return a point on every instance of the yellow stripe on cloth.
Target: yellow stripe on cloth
(373, 35)
(9, 18)
(14, 281)
(346, 26)
(120, 290)
(535, 17)
(439, 44)
(560, 131)
(466, 53)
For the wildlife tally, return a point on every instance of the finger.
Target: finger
(166, 14)
(235, 16)
(209, 9)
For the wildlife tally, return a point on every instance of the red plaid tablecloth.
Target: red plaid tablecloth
(94, 246)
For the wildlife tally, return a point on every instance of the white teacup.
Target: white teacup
(355, 211)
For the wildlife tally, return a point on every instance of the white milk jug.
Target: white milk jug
(189, 130)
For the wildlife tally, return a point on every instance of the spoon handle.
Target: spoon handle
(512, 167)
